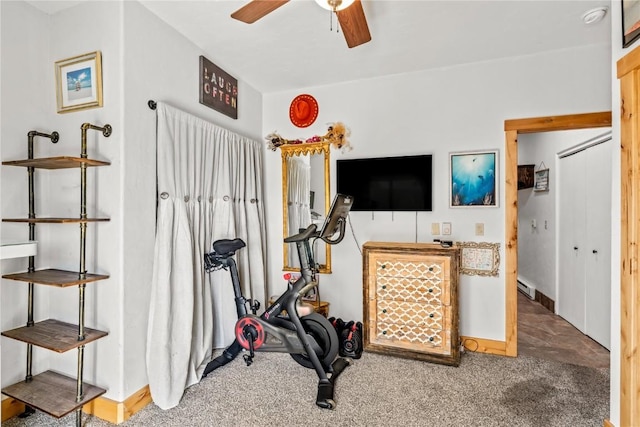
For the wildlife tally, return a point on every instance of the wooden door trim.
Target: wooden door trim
(628, 72)
(556, 123)
(512, 129)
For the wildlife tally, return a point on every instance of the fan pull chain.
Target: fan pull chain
(331, 13)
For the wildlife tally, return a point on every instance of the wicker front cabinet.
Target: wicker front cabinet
(411, 301)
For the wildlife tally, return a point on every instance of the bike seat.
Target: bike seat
(227, 246)
(310, 231)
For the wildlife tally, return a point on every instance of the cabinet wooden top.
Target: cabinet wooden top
(410, 247)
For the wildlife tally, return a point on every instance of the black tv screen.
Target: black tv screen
(387, 183)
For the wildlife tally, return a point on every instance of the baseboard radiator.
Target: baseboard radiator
(528, 290)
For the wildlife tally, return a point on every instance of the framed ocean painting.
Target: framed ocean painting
(473, 179)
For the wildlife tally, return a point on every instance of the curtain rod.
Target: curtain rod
(152, 104)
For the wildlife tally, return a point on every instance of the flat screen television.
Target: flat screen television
(387, 183)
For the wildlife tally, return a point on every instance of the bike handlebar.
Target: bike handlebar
(311, 232)
(337, 240)
(306, 234)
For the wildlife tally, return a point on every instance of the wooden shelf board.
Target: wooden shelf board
(61, 162)
(53, 277)
(55, 220)
(52, 393)
(54, 335)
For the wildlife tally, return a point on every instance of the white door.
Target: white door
(571, 240)
(598, 250)
(584, 238)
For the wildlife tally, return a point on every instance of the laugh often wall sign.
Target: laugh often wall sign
(218, 89)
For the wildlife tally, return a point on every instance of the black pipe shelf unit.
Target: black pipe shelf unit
(51, 392)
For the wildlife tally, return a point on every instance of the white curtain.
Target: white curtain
(299, 214)
(209, 188)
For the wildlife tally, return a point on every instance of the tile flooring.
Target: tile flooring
(546, 335)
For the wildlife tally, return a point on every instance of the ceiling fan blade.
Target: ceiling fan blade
(354, 24)
(256, 9)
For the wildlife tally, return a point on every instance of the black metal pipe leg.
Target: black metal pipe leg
(28, 410)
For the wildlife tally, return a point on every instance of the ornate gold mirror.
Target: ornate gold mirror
(305, 198)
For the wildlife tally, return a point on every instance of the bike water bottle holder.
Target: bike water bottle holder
(254, 305)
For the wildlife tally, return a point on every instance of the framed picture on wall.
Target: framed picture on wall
(473, 180)
(479, 258)
(79, 82)
(630, 21)
(541, 180)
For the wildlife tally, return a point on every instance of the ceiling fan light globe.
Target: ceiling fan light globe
(335, 5)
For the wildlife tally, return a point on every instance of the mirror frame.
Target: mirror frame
(289, 150)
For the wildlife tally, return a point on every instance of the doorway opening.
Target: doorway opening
(513, 128)
(564, 241)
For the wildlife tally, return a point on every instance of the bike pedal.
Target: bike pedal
(248, 359)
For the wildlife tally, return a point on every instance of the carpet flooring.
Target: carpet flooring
(379, 390)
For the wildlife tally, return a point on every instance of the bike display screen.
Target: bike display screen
(340, 208)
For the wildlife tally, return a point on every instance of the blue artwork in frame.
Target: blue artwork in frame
(473, 179)
(79, 83)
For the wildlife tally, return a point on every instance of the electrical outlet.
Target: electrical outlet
(479, 229)
(435, 229)
(446, 228)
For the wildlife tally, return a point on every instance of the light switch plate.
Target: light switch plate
(479, 229)
(446, 228)
(435, 228)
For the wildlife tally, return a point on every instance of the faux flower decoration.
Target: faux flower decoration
(337, 135)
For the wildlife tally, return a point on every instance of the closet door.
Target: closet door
(598, 249)
(572, 242)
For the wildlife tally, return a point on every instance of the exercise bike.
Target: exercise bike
(288, 325)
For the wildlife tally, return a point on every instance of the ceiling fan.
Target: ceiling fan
(349, 12)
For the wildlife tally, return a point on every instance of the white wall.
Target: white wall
(143, 58)
(437, 111)
(537, 246)
(74, 32)
(104, 248)
(24, 107)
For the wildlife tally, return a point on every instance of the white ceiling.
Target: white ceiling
(293, 48)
